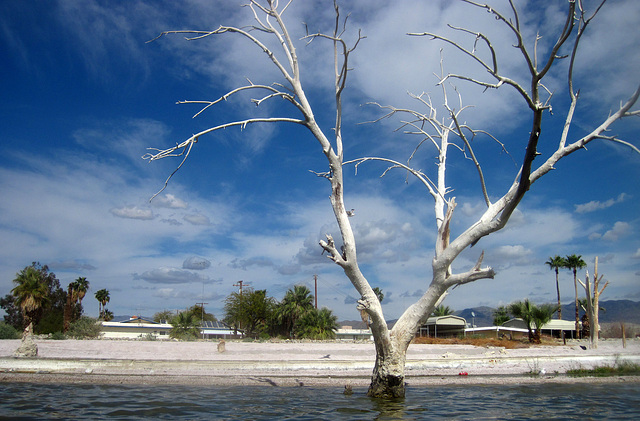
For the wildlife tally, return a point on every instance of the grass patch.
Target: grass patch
(623, 368)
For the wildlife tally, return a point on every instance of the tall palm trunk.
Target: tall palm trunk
(67, 314)
(575, 285)
(558, 291)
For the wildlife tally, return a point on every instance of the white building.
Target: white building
(137, 327)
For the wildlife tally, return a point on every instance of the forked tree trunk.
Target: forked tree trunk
(387, 380)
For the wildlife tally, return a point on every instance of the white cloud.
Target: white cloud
(620, 229)
(166, 275)
(71, 265)
(197, 219)
(169, 201)
(196, 263)
(508, 255)
(595, 205)
(133, 212)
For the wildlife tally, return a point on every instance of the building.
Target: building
(348, 333)
(553, 328)
(138, 327)
(218, 330)
(443, 327)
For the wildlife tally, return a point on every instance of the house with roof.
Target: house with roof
(138, 327)
(553, 328)
(135, 327)
(443, 327)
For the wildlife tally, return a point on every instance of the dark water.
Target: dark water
(566, 402)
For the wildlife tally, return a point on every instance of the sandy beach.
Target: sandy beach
(292, 363)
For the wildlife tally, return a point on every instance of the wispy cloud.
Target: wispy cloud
(133, 212)
(166, 275)
(595, 205)
(197, 219)
(71, 265)
(169, 201)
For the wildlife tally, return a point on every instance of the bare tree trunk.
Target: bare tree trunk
(575, 285)
(593, 306)
(387, 380)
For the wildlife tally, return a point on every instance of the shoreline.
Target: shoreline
(292, 363)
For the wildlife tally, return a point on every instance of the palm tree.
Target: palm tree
(185, 326)
(66, 318)
(500, 316)
(317, 324)
(81, 287)
(379, 293)
(294, 305)
(31, 293)
(555, 263)
(442, 310)
(540, 316)
(522, 310)
(574, 263)
(107, 315)
(103, 298)
(535, 317)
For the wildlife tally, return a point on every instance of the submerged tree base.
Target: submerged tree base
(388, 386)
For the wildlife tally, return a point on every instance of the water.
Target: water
(27, 401)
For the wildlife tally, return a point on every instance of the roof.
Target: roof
(446, 321)
(553, 324)
(214, 325)
(138, 319)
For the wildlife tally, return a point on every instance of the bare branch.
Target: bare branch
(426, 181)
(596, 133)
(460, 133)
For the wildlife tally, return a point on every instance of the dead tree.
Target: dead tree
(446, 135)
(593, 307)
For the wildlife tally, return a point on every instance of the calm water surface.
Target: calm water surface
(26, 401)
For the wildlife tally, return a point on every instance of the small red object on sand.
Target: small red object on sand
(463, 373)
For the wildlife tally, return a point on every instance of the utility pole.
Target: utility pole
(315, 281)
(202, 317)
(239, 285)
(202, 304)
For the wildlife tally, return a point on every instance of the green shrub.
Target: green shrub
(58, 336)
(8, 331)
(620, 368)
(85, 328)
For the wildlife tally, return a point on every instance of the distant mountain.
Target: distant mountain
(611, 311)
(482, 316)
(355, 324)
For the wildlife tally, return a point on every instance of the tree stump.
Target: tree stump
(28, 347)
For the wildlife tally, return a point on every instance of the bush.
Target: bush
(57, 336)
(85, 328)
(8, 331)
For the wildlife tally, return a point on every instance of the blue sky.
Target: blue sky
(84, 95)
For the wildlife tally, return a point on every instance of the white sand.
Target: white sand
(299, 363)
